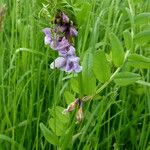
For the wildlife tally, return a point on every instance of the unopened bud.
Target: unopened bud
(71, 107)
(79, 115)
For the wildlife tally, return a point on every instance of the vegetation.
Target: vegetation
(113, 44)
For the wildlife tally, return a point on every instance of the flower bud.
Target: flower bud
(71, 107)
(79, 115)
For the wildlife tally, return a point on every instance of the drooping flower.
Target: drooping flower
(58, 63)
(47, 39)
(71, 106)
(68, 51)
(65, 18)
(72, 64)
(77, 103)
(73, 31)
(62, 44)
(79, 115)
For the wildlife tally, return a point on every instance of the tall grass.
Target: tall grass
(31, 93)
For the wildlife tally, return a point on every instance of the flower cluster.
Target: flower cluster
(59, 38)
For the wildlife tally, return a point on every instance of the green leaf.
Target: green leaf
(101, 66)
(58, 122)
(142, 37)
(74, 85)
(117, 50)
(143, 18)
(143, 83)
(126, 78)
(56, 112)
(88, 78)
(69, 97)
(83, 12)
(57, 126)
(49, 136)
(128, 40)
(139, 61)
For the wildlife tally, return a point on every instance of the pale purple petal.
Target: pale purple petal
(58, 63)
(72, 65)
(73, 31)
(68, 51)
(53, 44)
(71, 51)
(65, 18)
(47, 39)
(74, 59)
(62, 44)
(78, 69)
(60, 28)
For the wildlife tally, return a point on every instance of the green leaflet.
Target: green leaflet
(139, 61)
(58, 121)
(101, 66)
(117, 50)
(74, 85)
(57, 126)
(69, 97)
(143, 18)
(128, 40)
(49, 136)
(126, 78)
(142, 37)
(88, 78)
(56, 112)
(85, 9)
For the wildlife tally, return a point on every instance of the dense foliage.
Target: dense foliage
(113, 44)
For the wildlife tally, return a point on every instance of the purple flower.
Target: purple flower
(73, 31)
(58, 63)
(62, 44)
(67, 64)
(60, 29)
(65, 18)
(72, 64)
(68, 51)
(61, 18)
(47, 39)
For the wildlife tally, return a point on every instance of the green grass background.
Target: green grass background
(119, 118)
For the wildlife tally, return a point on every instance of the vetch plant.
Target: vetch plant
(107, 104)
(107, 67)
(60, 39)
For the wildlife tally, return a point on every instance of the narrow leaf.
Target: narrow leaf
(139, 61)
(117, 50)
(142, 37)
(128, 40)
(143, 18)
(126, 78)
(88, 78)
(101, 66)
